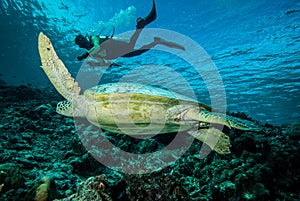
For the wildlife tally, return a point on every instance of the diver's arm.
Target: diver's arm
(96, 43)
(82, 57)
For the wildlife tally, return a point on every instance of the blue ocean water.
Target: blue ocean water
(254, 44)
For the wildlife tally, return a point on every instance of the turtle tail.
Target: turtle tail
(56, 70)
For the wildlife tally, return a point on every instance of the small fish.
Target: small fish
(63, 6)
(291, 11)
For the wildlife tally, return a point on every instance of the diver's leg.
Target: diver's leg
(149, 46)
(134, 38)
(141, 50)
(142, 22)
(160, 41)
(168, 44)
(135, 53)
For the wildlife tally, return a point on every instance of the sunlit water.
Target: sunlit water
(255, 47)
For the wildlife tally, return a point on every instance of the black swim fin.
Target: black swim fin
(142, 22)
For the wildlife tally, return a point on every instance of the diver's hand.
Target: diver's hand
(84, 56)
(80, 58)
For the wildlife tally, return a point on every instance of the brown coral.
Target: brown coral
(91, 189)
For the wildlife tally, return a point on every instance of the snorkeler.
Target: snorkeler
(114, 48)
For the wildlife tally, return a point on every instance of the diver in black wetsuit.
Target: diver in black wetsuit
(114, 48)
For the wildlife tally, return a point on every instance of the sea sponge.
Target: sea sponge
(42, 191)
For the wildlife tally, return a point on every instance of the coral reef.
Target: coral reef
(43, 158)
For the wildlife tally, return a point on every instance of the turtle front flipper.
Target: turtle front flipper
(214, 138)
(56, 71)
(61, 79)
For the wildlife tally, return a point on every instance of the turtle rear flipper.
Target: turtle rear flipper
(241, 124)
(219, 118)
(214, 138)
(202, 114)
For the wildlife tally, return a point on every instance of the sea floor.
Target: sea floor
(42, 158)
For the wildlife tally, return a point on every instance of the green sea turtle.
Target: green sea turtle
(135, 109)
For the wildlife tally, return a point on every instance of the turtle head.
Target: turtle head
(67, 108)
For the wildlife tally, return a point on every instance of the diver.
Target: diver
(114, 48)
